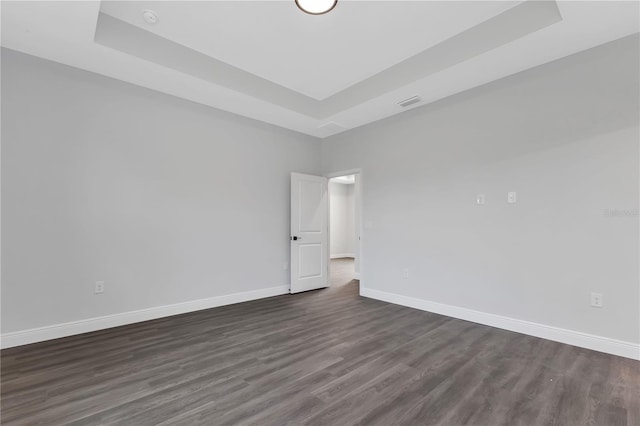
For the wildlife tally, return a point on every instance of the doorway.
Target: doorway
(310, 255)
(344, 224)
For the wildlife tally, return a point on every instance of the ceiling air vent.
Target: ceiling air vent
(409, 101)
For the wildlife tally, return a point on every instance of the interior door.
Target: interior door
(309, 232)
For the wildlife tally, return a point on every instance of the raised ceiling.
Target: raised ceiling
(315, 74)
(317, 56)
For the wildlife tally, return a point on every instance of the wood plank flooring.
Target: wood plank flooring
(327, 357)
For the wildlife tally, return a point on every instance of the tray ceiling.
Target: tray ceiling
(315, 74)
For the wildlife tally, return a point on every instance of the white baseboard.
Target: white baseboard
(575, 338)
(56, 331)
(356, 276)
(341, 255)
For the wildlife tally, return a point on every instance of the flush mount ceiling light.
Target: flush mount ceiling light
(316, 7)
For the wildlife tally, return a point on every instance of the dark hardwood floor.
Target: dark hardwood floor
(327, 357)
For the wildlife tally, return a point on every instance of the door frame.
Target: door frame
(358, 201)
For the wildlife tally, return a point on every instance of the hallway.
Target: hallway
(341, 273)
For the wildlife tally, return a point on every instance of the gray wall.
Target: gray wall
(565, 136)
(342, 233)
(164, 200)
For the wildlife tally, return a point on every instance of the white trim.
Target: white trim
(18, 338)
(343, 173)
(356, 276)
(341, 255)
(570, 337)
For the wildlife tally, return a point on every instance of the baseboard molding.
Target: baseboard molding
(356, 276)
(570, 337)
(341, 255)
(56, 331)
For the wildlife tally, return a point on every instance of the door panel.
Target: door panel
(310, 201)
(308, 260)
(309, 232)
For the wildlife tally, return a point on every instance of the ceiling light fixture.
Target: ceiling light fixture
(316, 7)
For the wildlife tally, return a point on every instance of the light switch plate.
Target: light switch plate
(511, 198)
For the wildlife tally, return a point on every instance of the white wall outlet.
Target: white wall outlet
(405, 273)
(596, 300)
(285, 266)
(480, 199)
(511, 197)
(99, 287)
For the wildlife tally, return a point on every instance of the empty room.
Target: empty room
(320, 212)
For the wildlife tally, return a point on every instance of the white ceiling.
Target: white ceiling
(313, 55)
(268, 61)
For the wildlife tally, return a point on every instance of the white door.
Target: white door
(309, 232)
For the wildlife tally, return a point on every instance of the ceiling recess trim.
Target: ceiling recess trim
(519, 21)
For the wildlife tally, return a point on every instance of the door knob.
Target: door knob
(295, 238)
